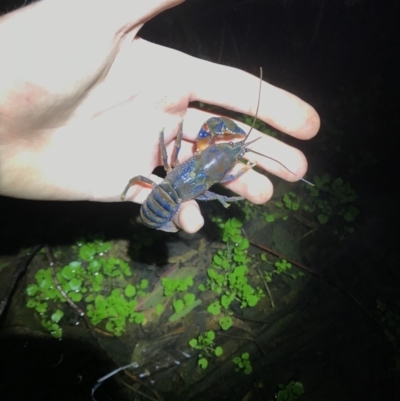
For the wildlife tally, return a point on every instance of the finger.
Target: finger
(189, 217)
(236, 90)
(253, 186)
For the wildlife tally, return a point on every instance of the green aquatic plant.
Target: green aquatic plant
(182, 301)
(281, 266)
(332, 197)
(291, 201)
(228, 275)
(250, 210)
(171, 285)
(205, 344)
(117, 309)
(290, 392)
(84, 281)
(243, 363)
(188, 300)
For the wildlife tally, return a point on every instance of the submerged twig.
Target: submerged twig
(71, 303)
(244, 338)
(92, 330)
(277, 254)
(267, 288)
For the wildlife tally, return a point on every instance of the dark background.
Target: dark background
(341, 56)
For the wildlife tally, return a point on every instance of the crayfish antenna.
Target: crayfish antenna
(258, 105)
(251, 129)
(307, 182)
(277, 161)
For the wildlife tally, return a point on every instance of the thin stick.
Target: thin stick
(243, 338)
(267, 288)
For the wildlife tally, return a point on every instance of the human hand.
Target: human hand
(82, 102)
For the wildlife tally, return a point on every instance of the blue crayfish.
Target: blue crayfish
(191, 179)
(211, 164)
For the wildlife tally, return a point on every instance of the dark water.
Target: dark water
(328, 334)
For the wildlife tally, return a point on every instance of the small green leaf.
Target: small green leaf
(217, 260)
(203, 363)
(159, 309)
(322, 218)
(31, 303)
(57, 315)
(210, 335)
(94, 266)
(130, 290)
(139, 318)
(75, 284)
(193, 342)
(178, 305)
(226, 300)
(218, 351)
(248, 369)
(68, 272)
(90, 298)
(144, 284)
(42, 307)
(75, 296)
(189, 298)
(351, 214)
(214, 308)
(225, 322)
(269, 218)
(32, 289)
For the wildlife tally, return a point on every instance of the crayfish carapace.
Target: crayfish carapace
(211, 164)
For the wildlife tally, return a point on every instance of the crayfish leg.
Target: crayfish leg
(178, 142)
(244, 169)
(133, 181)
(163, 149)
(208, 195)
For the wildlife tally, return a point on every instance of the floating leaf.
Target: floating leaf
(178, 305)
(203, 363)
(57, 315)
(75, 284)
(75, 296)
(159, 309)
(189, 298)
(42, 307)
(130, 290)
(210, 335)
(32, 289)
(322, 218)
(225, 322)
(214, 308)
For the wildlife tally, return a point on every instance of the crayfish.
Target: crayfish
(210, 164)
